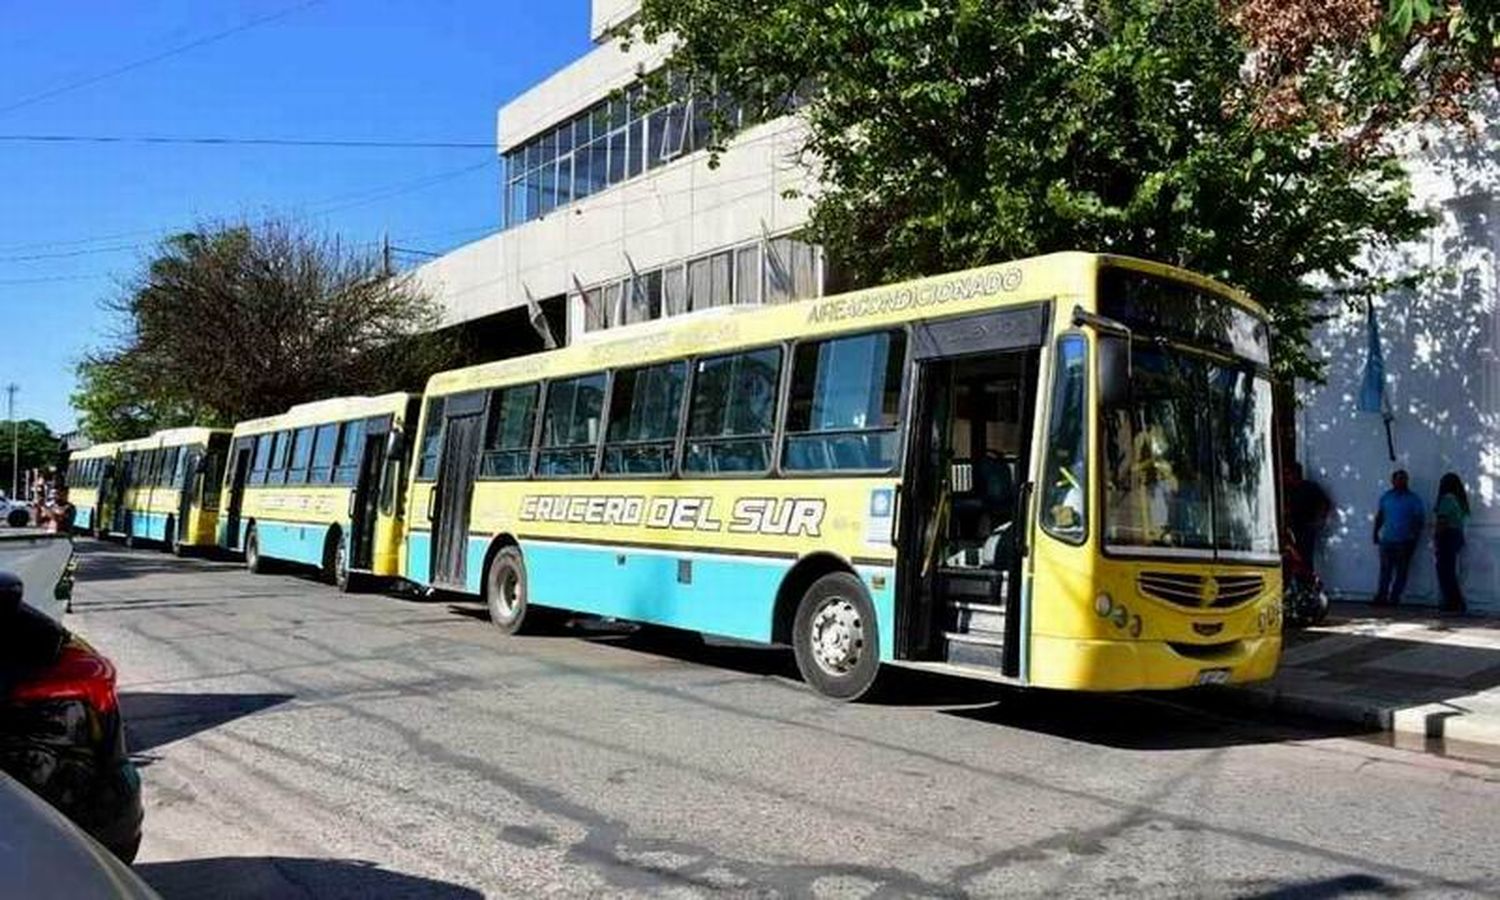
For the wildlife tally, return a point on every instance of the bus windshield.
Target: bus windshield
(1188, 462)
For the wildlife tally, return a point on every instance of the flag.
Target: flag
(1372, 388)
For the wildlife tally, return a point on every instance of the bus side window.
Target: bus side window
(570, 425)
(644, 410)
(432, 440)
(325, 441)
(507, 434)
(733, 412)
(262, 457)
(1065, 479)
(845, 403)
(280, 447)
(351, 448)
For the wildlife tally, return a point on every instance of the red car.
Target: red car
(61, 733)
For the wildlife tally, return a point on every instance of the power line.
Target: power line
(214, 141)
(49, 279)
(155, 58)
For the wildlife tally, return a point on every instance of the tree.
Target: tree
(37, 448)
(946, 134)
(237, 321)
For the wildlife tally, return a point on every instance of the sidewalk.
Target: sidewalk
(1403, 670)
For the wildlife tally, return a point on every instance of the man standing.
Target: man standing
(1307, 511)
(1398, 525)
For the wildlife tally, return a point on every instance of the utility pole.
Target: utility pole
(15, 439)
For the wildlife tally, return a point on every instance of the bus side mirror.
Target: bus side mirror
(1114, 371)
(201, 465)
(395, 446)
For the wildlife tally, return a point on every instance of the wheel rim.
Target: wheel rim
(838, 636)
(507, 593)
(252, 550)
(340, 562)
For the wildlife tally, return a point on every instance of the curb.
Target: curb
(1429, 720)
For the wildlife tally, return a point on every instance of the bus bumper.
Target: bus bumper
(1133, 665)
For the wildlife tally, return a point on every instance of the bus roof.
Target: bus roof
(171, 437)
(105, 449)
(334, 409)
(1023, 281)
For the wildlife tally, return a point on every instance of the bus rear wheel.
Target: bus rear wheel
(346, 581)
(253, 561)
(834, 637)
(505, 592)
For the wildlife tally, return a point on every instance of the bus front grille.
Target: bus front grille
(1196, 592)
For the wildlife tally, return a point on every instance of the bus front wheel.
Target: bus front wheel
(505, 591)
(834, 637)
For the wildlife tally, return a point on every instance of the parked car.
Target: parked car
(14, 513)
(46, 857)
(61, 732)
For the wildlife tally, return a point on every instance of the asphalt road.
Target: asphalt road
(295, 742)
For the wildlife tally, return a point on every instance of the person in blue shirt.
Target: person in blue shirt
(1398, 525)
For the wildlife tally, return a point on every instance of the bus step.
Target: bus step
(978, 585)
(976, 650)
(970, 618)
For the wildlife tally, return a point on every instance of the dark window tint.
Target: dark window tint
(351, 446)
(281, 445)
(507, 434)
(262, 459)
(170, 459)
(733, 412)
(570, 426)
(301, 455)
(325, 443)
(1065, 475)
(643, 414)
(432, 440)
(844, 405)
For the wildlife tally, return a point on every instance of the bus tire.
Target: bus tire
(346, 581)
(253, 560)
(169, 537)
(505, 592)
(18, 518)
(834, 637)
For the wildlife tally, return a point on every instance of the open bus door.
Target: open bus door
(241, 456)
(364, 500)
(966, 488)
(453, 495)
(189, 483)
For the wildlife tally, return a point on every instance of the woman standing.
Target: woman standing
(1452, 511)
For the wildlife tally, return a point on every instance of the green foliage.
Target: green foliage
(240, 321)
(953, 133)
(37, 448)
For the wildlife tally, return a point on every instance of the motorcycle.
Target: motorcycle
(1304, 602)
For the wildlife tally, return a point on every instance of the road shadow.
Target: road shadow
(153, 720)
(102, 561)
(274, 877)
(1327, 888)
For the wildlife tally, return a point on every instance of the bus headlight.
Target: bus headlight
(1121, 616)
(1103, 605)
(1135, 626)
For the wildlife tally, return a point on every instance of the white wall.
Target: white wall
(1442, 355)
(609, 13)
(468, 282)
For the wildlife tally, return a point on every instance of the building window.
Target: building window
(615, 140)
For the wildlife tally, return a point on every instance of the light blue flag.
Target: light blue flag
(1372, 389)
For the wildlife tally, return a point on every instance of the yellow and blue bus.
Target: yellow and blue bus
(163, 488)
(321, 485)
(89, 471)
(1057, 472)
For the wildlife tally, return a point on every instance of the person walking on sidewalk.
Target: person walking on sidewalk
(1449, 516)
(1398, 525)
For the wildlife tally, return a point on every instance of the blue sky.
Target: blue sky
(76, 219)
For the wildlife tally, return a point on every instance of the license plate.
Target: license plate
(1213, 676)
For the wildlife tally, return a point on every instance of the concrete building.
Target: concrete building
(1441, 345)
(612, 213)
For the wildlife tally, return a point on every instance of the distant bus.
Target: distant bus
(320, 485)
(1057, 472)
(163, 488)
(88, 485)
